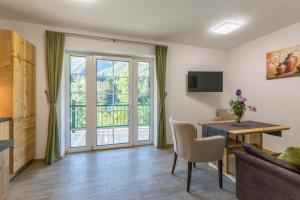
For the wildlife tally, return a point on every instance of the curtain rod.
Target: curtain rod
(106, 39)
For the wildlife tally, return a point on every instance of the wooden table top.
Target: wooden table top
(267, 129)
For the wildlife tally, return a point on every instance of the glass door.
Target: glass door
(108, 102)
(144, 101)
(77, 101)
(113, 102)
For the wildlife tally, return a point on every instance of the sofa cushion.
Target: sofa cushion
(291, 156)
(252, 150)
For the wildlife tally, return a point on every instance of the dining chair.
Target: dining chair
(171, 120)
(194, 150)
(175, 145)
(223, 114)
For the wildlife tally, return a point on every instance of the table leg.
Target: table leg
(261, 140)
(226, 161)
(256, 139)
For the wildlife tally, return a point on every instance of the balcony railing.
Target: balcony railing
(108, 116)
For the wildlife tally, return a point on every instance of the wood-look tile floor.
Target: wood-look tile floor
(132, 173)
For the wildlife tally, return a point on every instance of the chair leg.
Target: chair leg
(189, 176)
(194, 164)
(220, 171)
(174, 163)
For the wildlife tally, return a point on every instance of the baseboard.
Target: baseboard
(13, 175)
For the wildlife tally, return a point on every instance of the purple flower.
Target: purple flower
(238, 92)
(242, 99)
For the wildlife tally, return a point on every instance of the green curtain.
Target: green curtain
(161, 60)
(54, 56)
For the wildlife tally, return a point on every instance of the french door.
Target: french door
(109, 102)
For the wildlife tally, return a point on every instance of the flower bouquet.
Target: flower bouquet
(239, 106)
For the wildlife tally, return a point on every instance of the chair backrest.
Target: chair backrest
(224, 114)
(171, 120)
(185, 134)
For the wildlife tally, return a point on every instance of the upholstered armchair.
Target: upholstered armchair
(193, 150)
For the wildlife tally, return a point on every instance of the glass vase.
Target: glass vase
(238, 119)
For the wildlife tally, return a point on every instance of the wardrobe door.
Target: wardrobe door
(29, 52)
(24, 142)
(23, 102)
(32, 90)
(5, 74)
(18, 45)
(27, 90)
(5, 174)
(18, 88)
(4, 130)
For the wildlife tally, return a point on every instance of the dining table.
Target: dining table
(235, 134)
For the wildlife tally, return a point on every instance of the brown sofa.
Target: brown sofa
(257, 179)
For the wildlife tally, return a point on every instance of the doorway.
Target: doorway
(109, 102)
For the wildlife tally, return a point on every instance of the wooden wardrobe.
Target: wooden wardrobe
(17, 95)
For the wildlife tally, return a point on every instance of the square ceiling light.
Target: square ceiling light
(226, 27)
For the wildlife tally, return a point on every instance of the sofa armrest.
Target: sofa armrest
(259, 179)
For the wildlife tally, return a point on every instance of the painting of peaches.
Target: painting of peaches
(283, 63)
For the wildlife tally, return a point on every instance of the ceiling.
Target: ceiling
(179, 21)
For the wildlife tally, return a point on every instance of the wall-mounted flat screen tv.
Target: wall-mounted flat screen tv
(205, 82)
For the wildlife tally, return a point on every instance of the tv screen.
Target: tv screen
(205, 81)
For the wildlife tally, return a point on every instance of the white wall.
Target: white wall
(193, 107)
(181, 58)
(277, 100)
